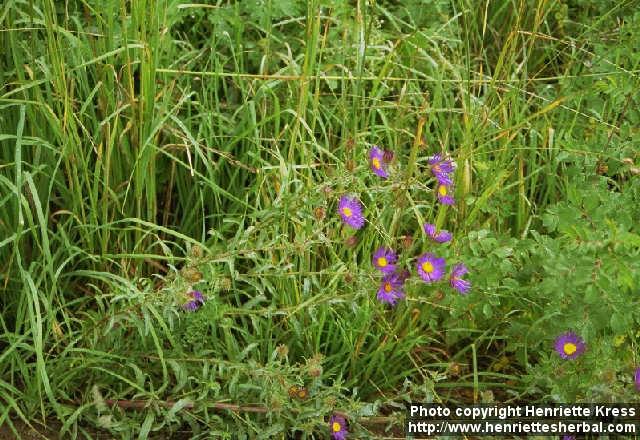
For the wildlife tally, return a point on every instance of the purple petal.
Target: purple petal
(430, 268)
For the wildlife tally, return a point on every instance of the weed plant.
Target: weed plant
(150, 150)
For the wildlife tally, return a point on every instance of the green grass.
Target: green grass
(147, 148)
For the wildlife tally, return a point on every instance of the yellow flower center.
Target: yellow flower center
(442, 190)
(376, 163)
(347, 211)
(569, 348)
(427, 267)
(387, 287)
(382, 262)
(336, 427)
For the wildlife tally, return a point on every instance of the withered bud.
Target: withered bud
(315, 371)
(314, 365)
(329, 171)
(282, 351)
(609, 375)
(319, 213)
(330, 401)
(404, 275)
(387, 156)
(407, 241)
(57, 329)
(349, 144)
(191, 274)
(351, 241)
(455, 369)
(351, 165)
(276, 404)
(601, 167)
(293, 390)
(439, 295)
(196, 251)
(348, 278)
(225, 283)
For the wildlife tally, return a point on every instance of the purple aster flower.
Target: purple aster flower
(338, 427)
(568, 437)
(444, 194)
(441, 169)
(391, 288)
(637, 379)
(456, 281)
(430, 267)
(378, 162)
(195, 303)
(437, 236)
(350, 210)
(384, 260)
(569, 345)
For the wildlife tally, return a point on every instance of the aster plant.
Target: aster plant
(391, 288)
(430, 268)
(569, 345)
(441, 169)
(350, 209)
(378, 162)
(435, 235)
(196, 301)
(456, 281)
(384, 260)
(338, 427)
(444, 194)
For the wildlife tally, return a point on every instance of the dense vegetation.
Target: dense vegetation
(152, 148)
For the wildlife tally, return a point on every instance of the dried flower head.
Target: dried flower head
(351, 241)
(407, 241)
(226, 284)
(196, 251)
(191, 274)
(282, 350)
(350, 165)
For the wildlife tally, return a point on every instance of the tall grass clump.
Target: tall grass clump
(172, 252)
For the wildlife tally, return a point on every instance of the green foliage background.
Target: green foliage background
(151, 147)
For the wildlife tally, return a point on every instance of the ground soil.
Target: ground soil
(38, 432)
